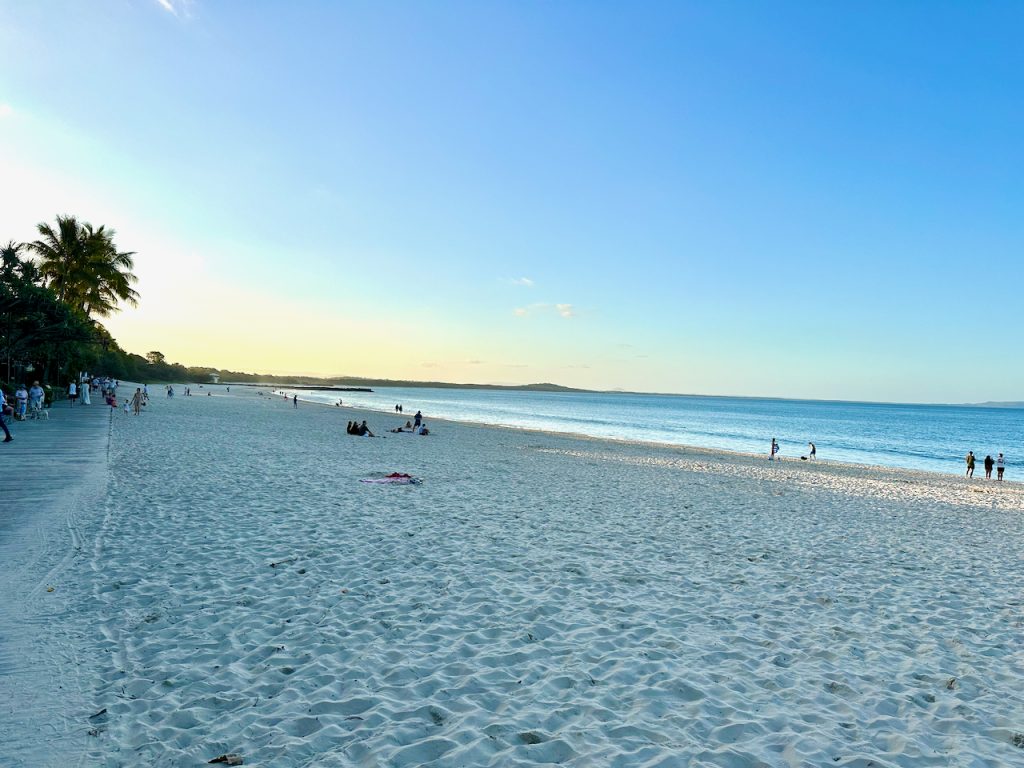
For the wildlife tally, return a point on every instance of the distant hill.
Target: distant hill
(543, 387)
(231, 377)
(998, 404)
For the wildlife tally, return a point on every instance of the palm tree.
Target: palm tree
(112, 274)
(83, 267)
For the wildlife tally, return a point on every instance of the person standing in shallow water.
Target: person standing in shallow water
(970, 464)
(813, 455)
(989, 463)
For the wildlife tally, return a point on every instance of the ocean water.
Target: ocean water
(929, 437)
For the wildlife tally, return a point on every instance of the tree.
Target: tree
(83, 267)
(34, 324)
(156, 358)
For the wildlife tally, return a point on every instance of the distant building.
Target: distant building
(215, 378)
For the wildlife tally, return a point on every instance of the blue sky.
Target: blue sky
(790, 199)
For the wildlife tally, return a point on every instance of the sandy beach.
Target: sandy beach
(538, 599)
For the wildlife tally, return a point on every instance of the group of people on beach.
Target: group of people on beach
(26, 401)
(774, 452)
(416, 427)
(998, 463)
(34, 402)
(359, 430)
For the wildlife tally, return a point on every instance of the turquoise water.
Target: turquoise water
(930, 437)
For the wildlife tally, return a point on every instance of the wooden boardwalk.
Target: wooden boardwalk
(51, 475)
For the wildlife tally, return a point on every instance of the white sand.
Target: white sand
(539, 599)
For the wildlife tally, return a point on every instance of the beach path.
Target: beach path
(51, 472)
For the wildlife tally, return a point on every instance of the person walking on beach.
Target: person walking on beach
(72, 393)
(1000, 466)
(812, 456)
(417, 420)
(137, 401)
(970, 464)
(295, 401)
(989, 463)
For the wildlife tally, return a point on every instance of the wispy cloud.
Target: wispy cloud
(523, 281)
(177, 7)
(563, 310)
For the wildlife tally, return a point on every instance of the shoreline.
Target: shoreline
(559, 389)
(681, 447)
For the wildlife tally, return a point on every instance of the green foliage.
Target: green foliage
(36, 328)
(83, 267)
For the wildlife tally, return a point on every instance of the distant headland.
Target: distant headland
(359, 384)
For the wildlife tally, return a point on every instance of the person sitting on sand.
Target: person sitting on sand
(423, 430)
(364, 430)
